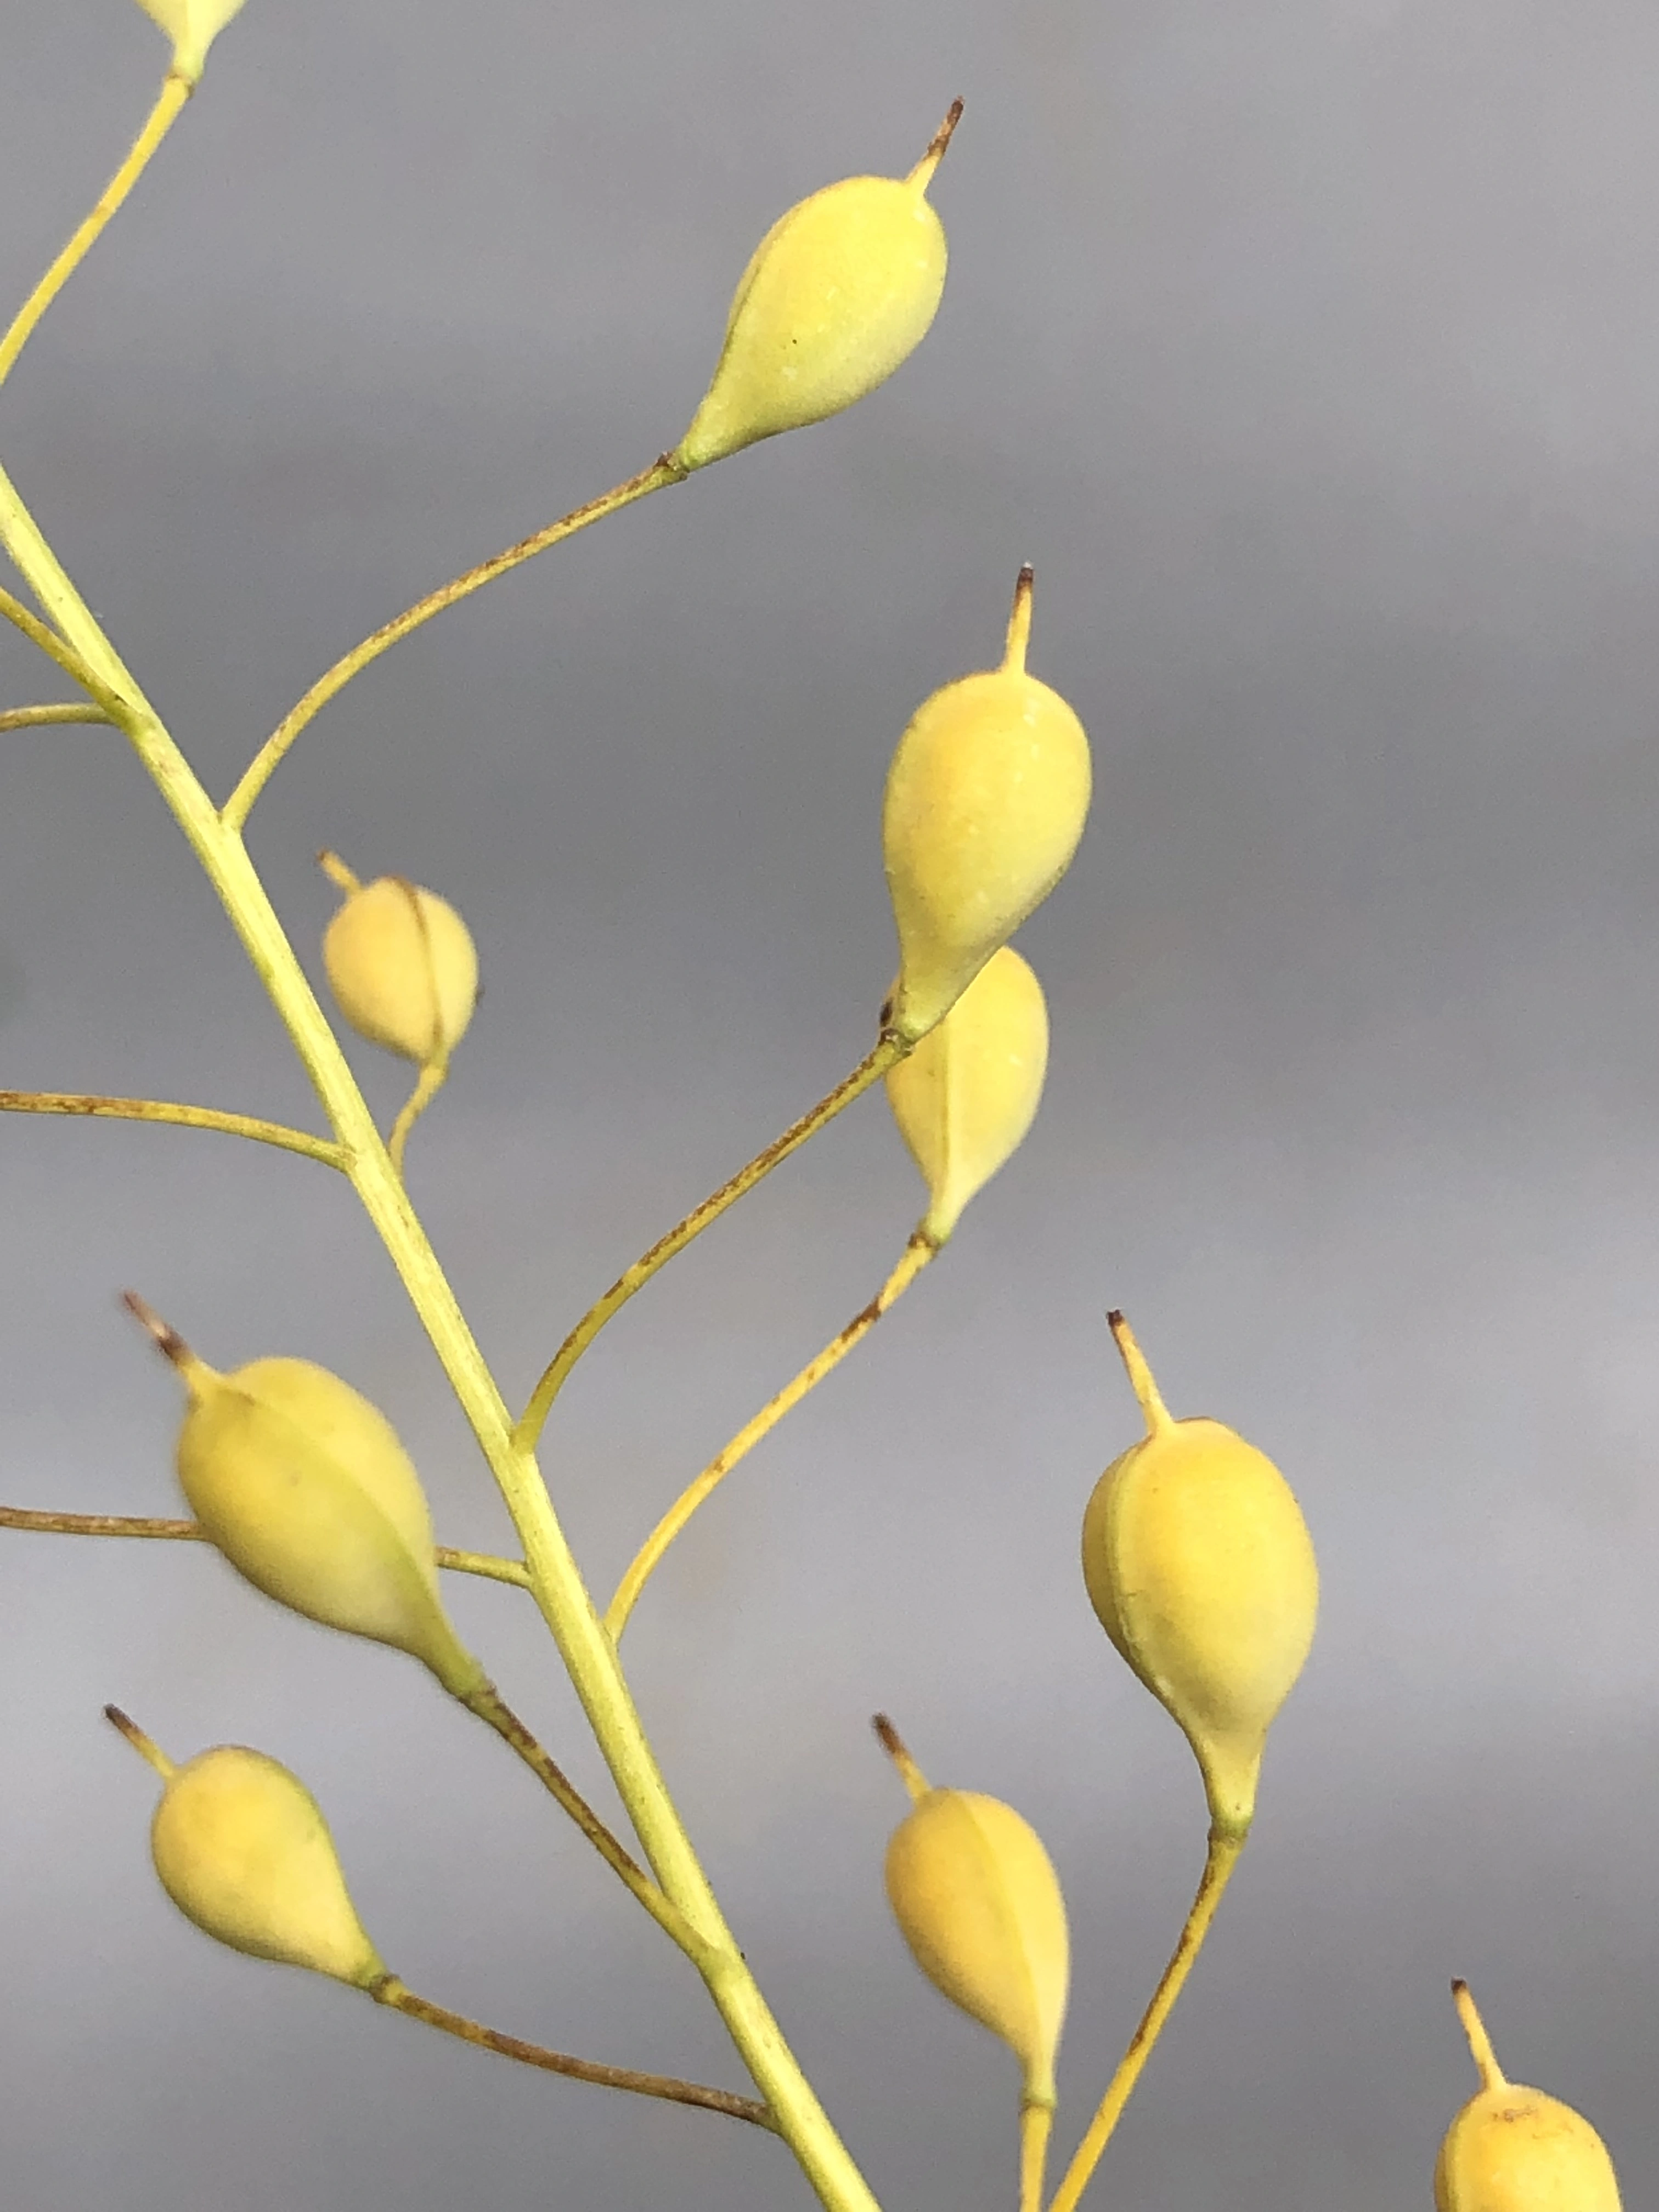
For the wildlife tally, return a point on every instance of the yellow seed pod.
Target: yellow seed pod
(193, 26)
(243, 1851)
(1201, 1570)
(986, 802)
(978, 1902)
(838, 292)
(402, 965)
(1513, 2149)
(965, 1096)
(305, 1488)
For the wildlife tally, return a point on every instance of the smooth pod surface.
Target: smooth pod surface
(964, 1098)
(985, 801)
(1514, 2149)
(402, 967)
(838, 292)
(1199, 1566)
(305, 1487)
(243, 1850)
(979, 1903)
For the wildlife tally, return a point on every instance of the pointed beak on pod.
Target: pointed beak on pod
(838, 292)
(985, 801)
(977, 1901)
(965, 1096)
(243, 1850)
(401, 964)
(305, 1488)
(1513, 2150)
(1201, 1570)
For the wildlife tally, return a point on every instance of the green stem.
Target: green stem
(52, 645)
(561, 1595)
(68, 710)
(399, 1997)
(264, 765)
(93, 1106)
(162, 1530)
(888, 1050)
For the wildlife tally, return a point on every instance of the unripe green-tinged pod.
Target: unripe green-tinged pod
(835, 295)
(243, 1850)
(1514, 2150)
(306, 1489)
(1200, 1568)
(965, 1096)
(193, 26)
(401, 963)
(985, 801)
(978, 1902)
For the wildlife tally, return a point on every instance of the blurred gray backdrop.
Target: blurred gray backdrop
(1310, 350)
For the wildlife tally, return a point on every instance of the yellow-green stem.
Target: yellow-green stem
(562, 1595)
(93, 1106)
(1222, 1858)
(888, 1050)
(917, 1253)
(1036, 2125)
(52, 645)
(427, 1084)
(35, 718)
(262, 767)
(161, 1529)
(175, 91)
(399, 1997)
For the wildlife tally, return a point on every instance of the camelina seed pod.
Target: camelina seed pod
(401, 964)
(1200, 1568)
(985, 801)
(838, 292)
(965, 1096)
(193, 26)
(243, 1850)
(305, 1488)
(978, 1902)
(1513, 2149)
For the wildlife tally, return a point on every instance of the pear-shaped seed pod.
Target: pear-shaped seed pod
(978, 1902)
(985, 801)
(402, 965)
(306, 1489)
(243, 1851)
(838, 292)
(967, 1093)
(1514, 2150)
(1200, 1568)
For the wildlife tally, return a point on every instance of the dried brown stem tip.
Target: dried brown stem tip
(941, 137)
(168, 1341)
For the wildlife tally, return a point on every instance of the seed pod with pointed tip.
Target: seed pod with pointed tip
(401, 964)
(986, 802)
(193, 26)
(978, 1902)
(1513, 2150)
(965, 1096)
(306, 1489)
(243, 1850)
(1200, 1568)
(838, 292)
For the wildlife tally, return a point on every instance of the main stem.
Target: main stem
(557, 1583)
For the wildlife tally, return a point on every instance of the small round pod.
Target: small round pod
(1514, 2150)
(242, 1849)
(837, 293)
(985, 801)
(978, 1903)
(1199, 1566)
(965, 1096)
(402, 965)
(305, 1488)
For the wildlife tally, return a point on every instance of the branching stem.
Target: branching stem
(93, 1106)
(162, 1530)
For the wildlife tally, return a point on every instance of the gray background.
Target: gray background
(1309, 348)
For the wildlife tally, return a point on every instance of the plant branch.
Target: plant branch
(164, 1530)
(93, 1106)
(175, 91)
(1222, 1858)
(70, 710)
(262, 767)
(888, 1050)
(918, 1252)
(52, 645)
(399, 1997)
